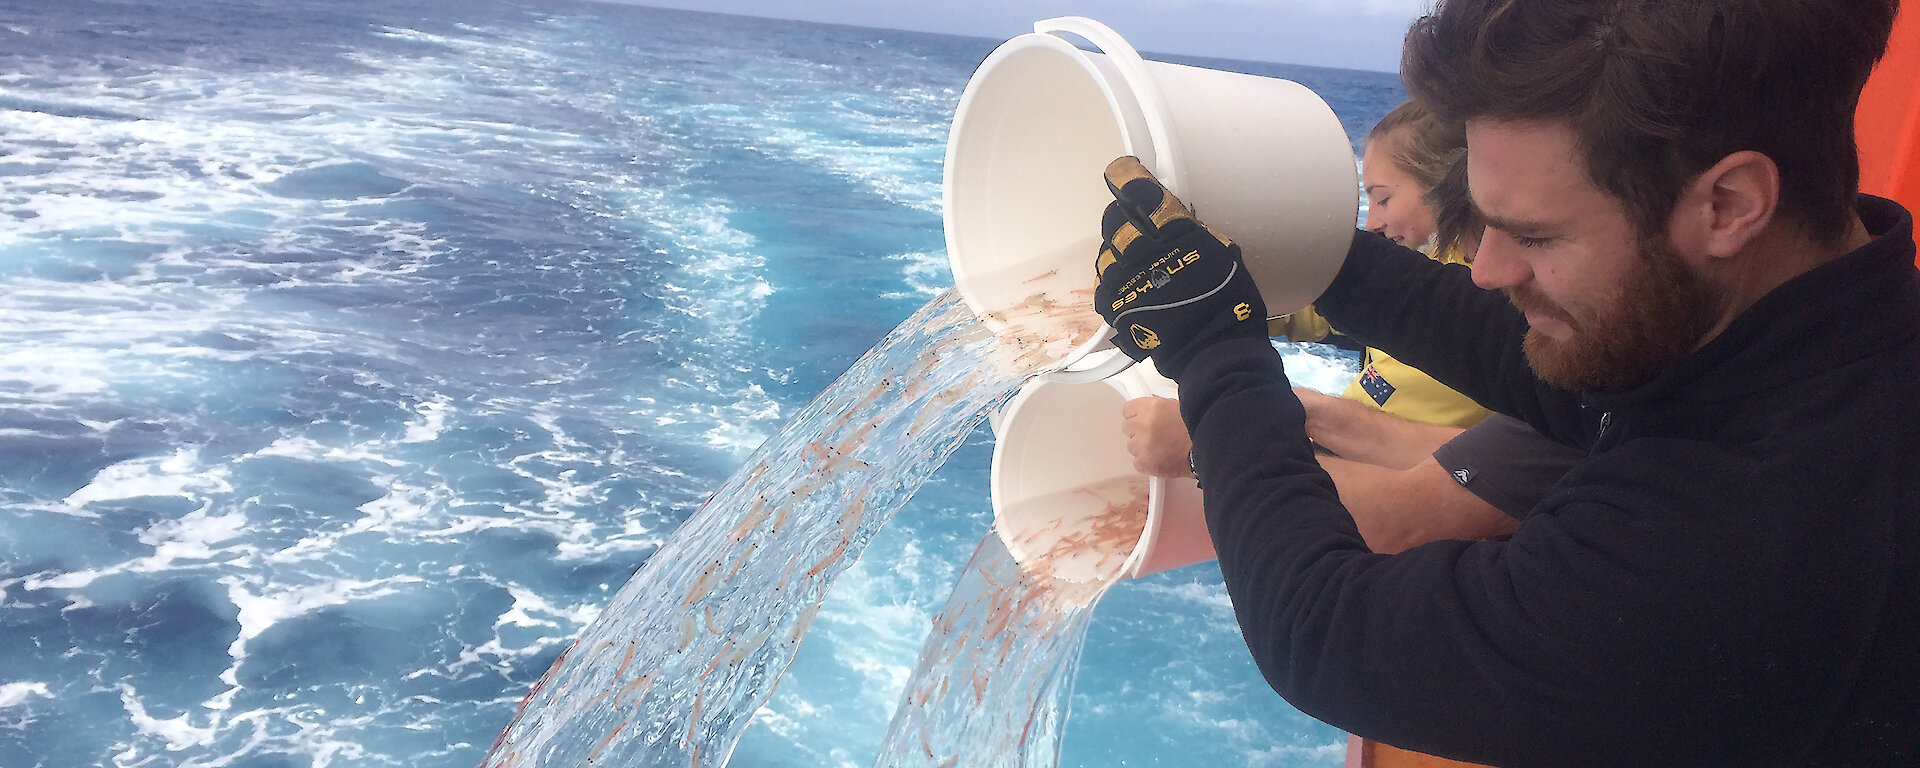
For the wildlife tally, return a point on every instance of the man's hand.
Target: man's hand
(1168, 285)
(1156, 437)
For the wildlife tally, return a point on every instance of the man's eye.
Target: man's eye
(1529, 242)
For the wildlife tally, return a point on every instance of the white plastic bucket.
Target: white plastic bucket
(1260, 159)
(1066, 499)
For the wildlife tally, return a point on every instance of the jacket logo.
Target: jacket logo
(1145, 338)
(1158, 275)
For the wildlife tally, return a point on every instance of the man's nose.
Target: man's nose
(1499, 262)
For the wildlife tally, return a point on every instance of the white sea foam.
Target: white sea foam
(927, 274)
(51, 373)
(892, 170)
(720, 291)
(18, 693)
(744, 425)
(1191, 593)
(399, 514)
(178, 732)
(1317, 367)
(432, 419)
(779, 722)
(877, 628)
(308, 449)
(1360, 167)
(402, 33)
(530, 609)
(189, 537)
(402, 505)
(178, 474)
(190, 161)
(262, 605)
(191, 540)
(76, 340)
(73, 579)
(599, 548)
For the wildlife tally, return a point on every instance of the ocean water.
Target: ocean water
(996, 674)
(355, 355)
(675, 667)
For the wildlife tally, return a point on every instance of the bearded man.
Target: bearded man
(1693, 287)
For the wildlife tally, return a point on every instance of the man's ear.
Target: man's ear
(1728, 205)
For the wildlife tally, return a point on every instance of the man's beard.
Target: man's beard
(1657, 315)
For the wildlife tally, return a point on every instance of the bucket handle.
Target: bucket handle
(1160, 138)
(1104, 370)
(1133, 69)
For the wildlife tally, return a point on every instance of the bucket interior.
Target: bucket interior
(1067, 501)
(1024, 191)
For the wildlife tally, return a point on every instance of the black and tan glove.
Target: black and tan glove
(1168, 285)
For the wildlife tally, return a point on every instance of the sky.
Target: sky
(1355, 34)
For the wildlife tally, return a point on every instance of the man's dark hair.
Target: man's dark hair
(1454, 216)
(1657, 91)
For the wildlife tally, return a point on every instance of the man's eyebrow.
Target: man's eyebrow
(1510, 226)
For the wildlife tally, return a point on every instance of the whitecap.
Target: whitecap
(432, 419)
(189, 537)
(262, 605)
(179, 732)
(179, 474)
(1317, 366)
(927, 274)
(17, 693)
(1211, 596)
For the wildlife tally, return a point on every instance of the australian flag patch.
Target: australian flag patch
(1375, 385)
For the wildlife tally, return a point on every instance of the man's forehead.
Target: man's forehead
(1520, 147)
(1525, 173)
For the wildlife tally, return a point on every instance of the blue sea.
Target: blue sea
(353, 355)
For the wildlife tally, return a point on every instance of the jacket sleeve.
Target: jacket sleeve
(1576, 642)
(1431, 316)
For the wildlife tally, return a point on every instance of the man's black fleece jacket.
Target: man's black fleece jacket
(1732, 577)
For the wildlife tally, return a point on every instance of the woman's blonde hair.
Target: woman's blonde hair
(1418, 142)
(1433, 153)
